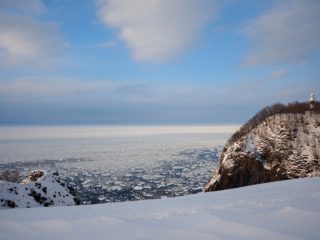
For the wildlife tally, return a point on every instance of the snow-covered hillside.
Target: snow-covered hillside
(40, 188)
(283, 146)
(280, 210)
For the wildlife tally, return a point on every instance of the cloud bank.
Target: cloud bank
(23, 6)
(287, 33)
(157, 30)
(25, 40)
(69, 101)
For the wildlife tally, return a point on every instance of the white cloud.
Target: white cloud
(156, 30)
(35, 88)
(23, 6)
(279, 73)
(54, 88)
(25, 40)
(287, 33)
(42, 88)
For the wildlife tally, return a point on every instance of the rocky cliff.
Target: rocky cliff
(282, 146)
(39, 188)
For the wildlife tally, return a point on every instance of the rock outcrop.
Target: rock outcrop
(282, 146)
(40, 188)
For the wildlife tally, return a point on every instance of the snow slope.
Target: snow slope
(280, 210)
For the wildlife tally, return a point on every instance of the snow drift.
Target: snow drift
(280, 210)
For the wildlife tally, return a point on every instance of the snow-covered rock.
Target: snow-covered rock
(40, 188)
(283, 146)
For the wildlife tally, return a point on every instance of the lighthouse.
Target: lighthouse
(312, 100)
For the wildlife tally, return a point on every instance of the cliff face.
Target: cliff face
(40, 188)
(283, 146)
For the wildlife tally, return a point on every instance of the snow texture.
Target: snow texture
(304, 137)
(280, 210)
(40, 188)
(289, 141)
(296, 136)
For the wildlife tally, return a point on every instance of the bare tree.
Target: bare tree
(276, 108)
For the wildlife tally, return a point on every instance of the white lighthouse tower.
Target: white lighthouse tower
(312, 100)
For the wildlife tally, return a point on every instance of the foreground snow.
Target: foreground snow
(282, 210)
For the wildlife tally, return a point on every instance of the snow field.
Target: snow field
(280, 210)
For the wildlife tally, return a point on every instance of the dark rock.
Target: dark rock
(37, 197)
(77, 201)
(35, 176)
(11, 204)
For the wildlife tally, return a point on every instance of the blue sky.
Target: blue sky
(154, 61)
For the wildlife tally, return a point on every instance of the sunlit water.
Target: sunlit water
(107, 163)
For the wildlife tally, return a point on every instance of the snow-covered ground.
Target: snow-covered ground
(280, 210)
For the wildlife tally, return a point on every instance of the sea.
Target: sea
(118, 163)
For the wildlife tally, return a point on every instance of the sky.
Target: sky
(154, 62)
